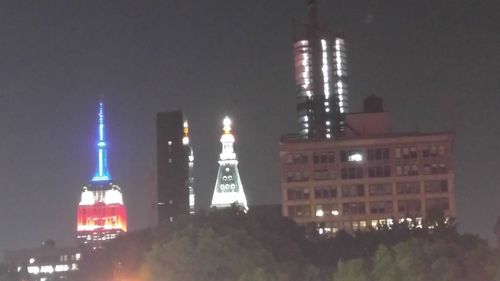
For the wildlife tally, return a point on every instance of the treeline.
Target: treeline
(231, 245)
(260, 245)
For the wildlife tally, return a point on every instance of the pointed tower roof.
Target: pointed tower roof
(228, 187)
(102, 171)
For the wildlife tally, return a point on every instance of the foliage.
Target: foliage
(201, 253)
(456, 258)
(230, 244)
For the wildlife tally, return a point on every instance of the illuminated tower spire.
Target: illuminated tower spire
(228, 188)
(102, 172)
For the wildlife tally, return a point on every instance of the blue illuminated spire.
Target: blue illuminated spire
(102, 172)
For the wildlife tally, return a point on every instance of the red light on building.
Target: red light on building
(101, 213)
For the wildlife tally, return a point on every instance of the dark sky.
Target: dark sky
(436, 64)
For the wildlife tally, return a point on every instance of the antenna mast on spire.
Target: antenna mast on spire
(102, 172)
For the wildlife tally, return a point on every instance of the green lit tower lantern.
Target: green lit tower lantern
(228, 187)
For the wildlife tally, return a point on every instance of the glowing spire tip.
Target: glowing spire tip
(227, 125)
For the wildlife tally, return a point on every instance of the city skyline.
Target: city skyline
(438, 76)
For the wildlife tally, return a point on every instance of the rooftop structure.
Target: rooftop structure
(228, 187)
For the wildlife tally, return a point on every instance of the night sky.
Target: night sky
(435, 63)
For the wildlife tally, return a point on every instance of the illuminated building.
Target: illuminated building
(228, 188)
(46, 262)
(368, 177)
(101, 212)
(175, 192)
(320, 75)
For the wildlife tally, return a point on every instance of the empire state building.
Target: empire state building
(101, 213)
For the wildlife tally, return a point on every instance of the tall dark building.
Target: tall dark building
(174, 167)
(320, 75)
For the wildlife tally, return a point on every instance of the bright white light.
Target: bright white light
(356, 157)
(113, 196)
(47, 269)
(335, 212)
(227, 122)
(32, 260)
(328, 136)
(61, 267)
(33, 269)
(87, 198)
(319, 213)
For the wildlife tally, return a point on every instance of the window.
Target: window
(380, 171)
(381, 207)
(353, 190)
(435, 168)
(354, 208)
(352, 173)
(379, 189)
(407, 170)
(328, 227)
(323, 174)
(299, 211)
(298, 194)
(351, 156)
(409, 206)
(325, 192)
(433, 151)
(406, 152)
(323, 157)
(326, 210)
(440, 203)
(412, 187)
(297, 176)
(378, 154)
(296, 158)
(436, 186)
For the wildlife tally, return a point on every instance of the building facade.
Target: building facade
(228, 187)
(320, 77)
(368, 177)
(45, 263)
(175, 159)
(101, 212)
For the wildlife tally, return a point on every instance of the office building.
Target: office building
(101, 212)
(321, 78)
(228, 187)
(367, 177)
(175, 193)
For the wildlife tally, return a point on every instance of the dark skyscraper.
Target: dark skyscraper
(320, 75)
(174, 167)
